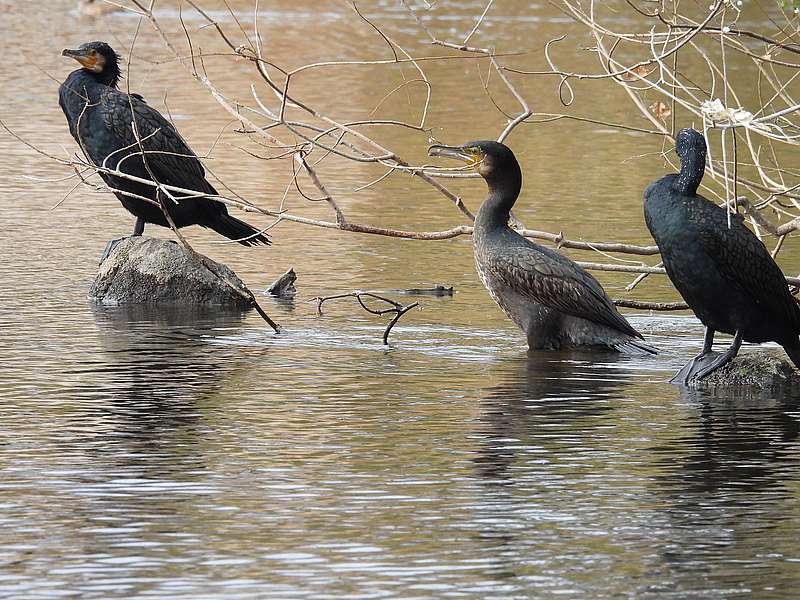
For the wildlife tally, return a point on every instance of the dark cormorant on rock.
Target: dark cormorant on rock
(554, 301)
(100, 117)
(726, 276)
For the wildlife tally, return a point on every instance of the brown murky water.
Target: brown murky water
(181, 455)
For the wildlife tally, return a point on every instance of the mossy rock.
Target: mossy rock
(765, 369)
(145, 270)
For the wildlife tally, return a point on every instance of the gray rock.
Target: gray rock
(768, 370)
(145, 270)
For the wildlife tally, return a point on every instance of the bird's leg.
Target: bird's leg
(722, 359)
(689, 370)
(708, 340)
(138, 229)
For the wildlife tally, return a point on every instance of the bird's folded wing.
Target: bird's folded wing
(746, 264)
(558, 283)
(169, 158)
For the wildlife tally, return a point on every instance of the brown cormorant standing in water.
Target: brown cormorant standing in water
(100, 117)
(554, 301)
(725, 275)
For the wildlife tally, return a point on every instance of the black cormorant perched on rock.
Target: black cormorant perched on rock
(100, 118)
(725, 275)
(554, 301)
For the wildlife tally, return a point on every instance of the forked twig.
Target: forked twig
(396, 308)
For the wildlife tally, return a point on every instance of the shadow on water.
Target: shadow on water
(727, 485)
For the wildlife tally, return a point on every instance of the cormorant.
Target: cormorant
(725, 275)
(554, 301)
(100, 119)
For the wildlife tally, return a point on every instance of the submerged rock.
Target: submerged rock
(145, 270)
(438, 290)
(765, 370)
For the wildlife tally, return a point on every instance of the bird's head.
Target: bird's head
(489, 158)
(98, 58)
(690, 141)
(497, 165)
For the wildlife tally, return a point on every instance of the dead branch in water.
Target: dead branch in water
(396, 308)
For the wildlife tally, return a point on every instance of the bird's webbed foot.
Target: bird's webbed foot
(699, 364)
(723, 359)
(707, 361)
(110, 245)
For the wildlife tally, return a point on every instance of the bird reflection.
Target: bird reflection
(545, 398)
(158, 369)
(163, 353)
(543, 406)
(739, 441)
(139, 442)
(726, 485)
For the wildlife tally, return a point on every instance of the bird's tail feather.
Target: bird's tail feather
(635, 346)
(239, 231)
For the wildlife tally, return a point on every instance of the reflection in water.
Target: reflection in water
(157, 356)
(158, 368)
(120, 467)
(545, 398)
(728, 489)
(158, 376)
(740, 442)
(538, 436)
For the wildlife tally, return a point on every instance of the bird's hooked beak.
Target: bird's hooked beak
(457, 152)
(87, 58)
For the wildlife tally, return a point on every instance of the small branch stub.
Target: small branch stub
(283, 286)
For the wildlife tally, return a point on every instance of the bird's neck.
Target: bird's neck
(110, 76)
(692, 168)
(503, 193)
(79, 92)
